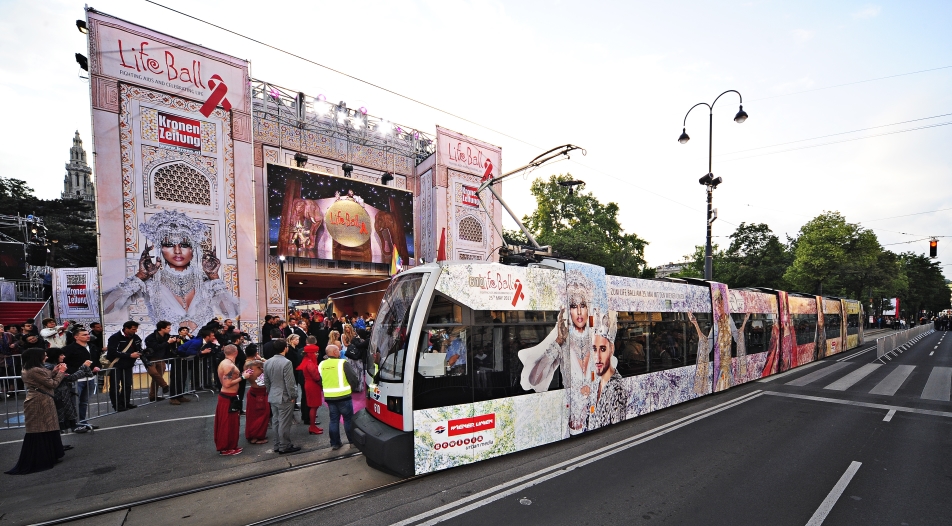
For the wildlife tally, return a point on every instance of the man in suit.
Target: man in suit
(282, 392)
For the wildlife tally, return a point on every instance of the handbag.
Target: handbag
(109, 364)
(56, 401)
(234, 405)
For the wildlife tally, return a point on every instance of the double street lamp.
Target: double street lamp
(709, 180)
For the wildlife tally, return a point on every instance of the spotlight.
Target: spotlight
(82, 61)
(363, 110)
(300, 160)
(281, 258)
(741, 115)
(386, 178)
(321, 98)
(383, 128)
(81, 26)
(683, 139)
(341, 117)
(348, 169)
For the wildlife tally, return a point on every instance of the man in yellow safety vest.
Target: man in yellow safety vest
(337, 377)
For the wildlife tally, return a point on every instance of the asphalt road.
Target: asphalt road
(810, 447)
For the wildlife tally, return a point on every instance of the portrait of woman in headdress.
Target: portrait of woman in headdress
(569, 349)
(183, 285)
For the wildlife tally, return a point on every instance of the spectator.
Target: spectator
(200, 347)
(29, 328)
(267, 328)
(55, 336)
(268, 350)
(323, 334)
(312, 384)
(282, 392)
(9, 363)
(42, 445)
(360, 324)
(64, 392)
(256, 407)
(156, 352)
(337, 390)
(123, 349)
(29, 340)
(182, 371)
(228, 411)
(75, 355)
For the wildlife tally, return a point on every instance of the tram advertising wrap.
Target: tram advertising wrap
(318, 215)
(508, 358)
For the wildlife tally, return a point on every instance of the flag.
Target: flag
(441, 251)
(395, 263)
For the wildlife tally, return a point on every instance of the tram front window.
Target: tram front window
(388, 343)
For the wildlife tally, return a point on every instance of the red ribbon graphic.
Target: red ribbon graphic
(519, 295)
(217, 97)
(489, 171)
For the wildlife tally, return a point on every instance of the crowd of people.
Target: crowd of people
(300, 363)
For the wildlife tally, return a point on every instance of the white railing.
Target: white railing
(888, 344)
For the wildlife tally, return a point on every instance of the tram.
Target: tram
(470, 360)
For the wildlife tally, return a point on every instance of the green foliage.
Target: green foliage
(580, 227)
(925, 287)
(66, 222)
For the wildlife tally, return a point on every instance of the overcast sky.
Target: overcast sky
(613, 77)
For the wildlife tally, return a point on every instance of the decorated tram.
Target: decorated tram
(470, 361)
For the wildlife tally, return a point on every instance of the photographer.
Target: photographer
(54, 336)
(124, 347)
(182, 367)
(201, 348)
(156, 351)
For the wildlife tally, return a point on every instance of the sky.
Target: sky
(835, 92)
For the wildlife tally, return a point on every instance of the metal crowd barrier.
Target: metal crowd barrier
(184, 376)
(888, 344)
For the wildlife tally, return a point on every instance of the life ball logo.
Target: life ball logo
(464, 434)
(518, 295)
(219, 90)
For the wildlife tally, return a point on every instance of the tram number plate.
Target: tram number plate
(376, 408)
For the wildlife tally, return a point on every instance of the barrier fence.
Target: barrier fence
(888, 344)
(111, 389)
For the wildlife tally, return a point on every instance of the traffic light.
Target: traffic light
(933, 248)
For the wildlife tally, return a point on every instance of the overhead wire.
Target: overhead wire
(602, 172)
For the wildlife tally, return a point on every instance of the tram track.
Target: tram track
(209, 487)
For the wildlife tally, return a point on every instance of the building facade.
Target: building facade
(78, 183)
(223, 195)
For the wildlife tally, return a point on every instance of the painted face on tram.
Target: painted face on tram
(579, 311)
(177, 255)
(604, 349)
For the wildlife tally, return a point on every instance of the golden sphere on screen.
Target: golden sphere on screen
(348, 223)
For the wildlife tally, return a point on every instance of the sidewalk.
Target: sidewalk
(148, 451)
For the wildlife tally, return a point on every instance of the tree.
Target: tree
(826, 246)
(65, 219)
(578, 226)
(755, 258)
(925, 286)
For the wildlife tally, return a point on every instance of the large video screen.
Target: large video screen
(315, 215)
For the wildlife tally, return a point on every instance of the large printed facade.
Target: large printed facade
(192, 226)
(172, 130)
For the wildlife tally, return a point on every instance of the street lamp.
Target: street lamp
(709, 180)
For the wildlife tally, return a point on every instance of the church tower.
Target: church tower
(76, 184)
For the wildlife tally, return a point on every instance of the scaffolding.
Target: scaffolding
(353, 126)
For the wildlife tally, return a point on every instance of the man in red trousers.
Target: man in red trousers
(227, 420)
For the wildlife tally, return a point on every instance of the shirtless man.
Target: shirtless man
(227, 420)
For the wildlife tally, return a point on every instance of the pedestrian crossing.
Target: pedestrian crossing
(844, 376)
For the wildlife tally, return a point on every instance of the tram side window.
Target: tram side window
(654, 341)
(832, 325)
(852, 324)
(805, 328)
(444, 311)
(757, 332)
(459, 365)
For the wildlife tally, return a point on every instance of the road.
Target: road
(849, 440)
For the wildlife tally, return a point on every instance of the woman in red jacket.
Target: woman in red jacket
(312, 383)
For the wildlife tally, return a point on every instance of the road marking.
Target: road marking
(892, 382)
(132, 425)
(820, 514)
(816, 375)
(936, 347)
(886, 356)
(889, 415)
(931, 353)
(505, 489)
(785, 373)
(864, 351)
(939, 384)
(849, 380)
(898, 408)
